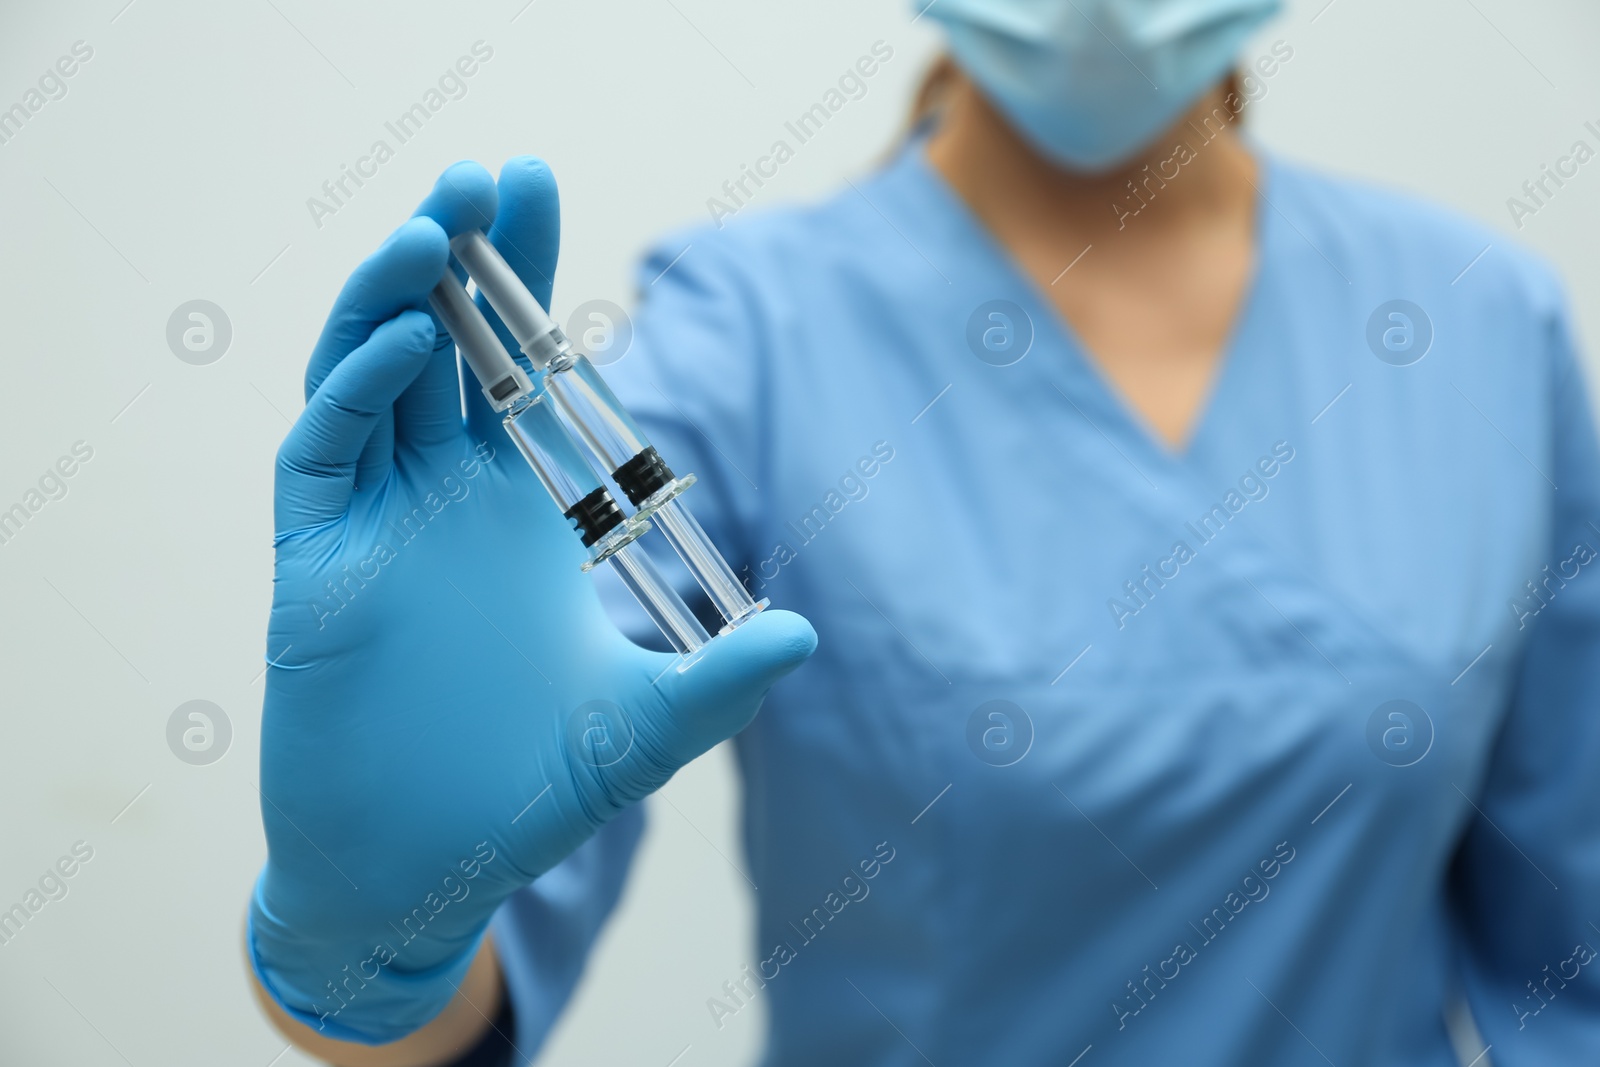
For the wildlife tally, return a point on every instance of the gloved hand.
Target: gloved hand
(449, 712)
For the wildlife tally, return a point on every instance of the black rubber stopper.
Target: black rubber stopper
(595, 516)
(642, 475)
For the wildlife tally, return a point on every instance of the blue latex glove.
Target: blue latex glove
(449, 712)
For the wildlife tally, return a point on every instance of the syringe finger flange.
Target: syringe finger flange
(664, 495)
(631, 530)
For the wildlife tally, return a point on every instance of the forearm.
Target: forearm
(445, 1038)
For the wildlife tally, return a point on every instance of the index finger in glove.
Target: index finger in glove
(399, 275)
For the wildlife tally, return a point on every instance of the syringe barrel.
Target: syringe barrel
(555, 457)
(601, 420)
(679, 526)
(663, 604)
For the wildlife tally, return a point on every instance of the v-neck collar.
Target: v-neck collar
(1235, 348)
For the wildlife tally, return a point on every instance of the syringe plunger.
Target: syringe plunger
(499, 375)
(541, 339)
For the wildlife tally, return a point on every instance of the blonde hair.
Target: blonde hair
(933, 91)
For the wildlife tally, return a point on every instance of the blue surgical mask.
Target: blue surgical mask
(1090, 83)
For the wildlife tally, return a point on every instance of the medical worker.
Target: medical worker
(1185, 641)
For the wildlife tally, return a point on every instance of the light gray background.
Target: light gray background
(178, 167)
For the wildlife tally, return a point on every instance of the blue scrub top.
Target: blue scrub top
(1263, 752)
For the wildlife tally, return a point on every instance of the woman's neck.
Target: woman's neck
(1172, 235)
(1198, 168)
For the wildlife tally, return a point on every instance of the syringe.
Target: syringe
(544, 442)
(605, 425)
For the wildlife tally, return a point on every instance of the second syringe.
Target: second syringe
(605, 426)
(572, 483)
